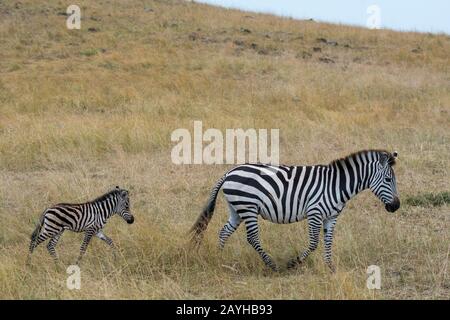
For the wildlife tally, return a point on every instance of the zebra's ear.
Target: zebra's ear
(393, 157)
(388, 158)
(384, 158)
(117, 187)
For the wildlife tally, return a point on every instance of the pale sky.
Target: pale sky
(403, 15)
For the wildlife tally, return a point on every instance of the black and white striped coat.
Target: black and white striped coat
(286, 194)
(89, 217)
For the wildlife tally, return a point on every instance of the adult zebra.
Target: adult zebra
(285, 194)
(89, 217)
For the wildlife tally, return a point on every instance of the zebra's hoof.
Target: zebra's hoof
(293, 263)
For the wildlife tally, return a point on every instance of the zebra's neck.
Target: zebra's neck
(351, 175)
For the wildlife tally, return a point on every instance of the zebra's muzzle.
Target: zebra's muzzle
(393, 206)
(130, 220)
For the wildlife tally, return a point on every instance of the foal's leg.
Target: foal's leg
(108, 241)
(87, 238)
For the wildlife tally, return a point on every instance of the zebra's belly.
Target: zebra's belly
(73, 229)
(246, 200)
(83, 227)
(282, 216)
(333, 211)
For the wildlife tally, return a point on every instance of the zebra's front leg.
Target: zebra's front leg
(87, 238)
(328, 228)
(251, 225)
(107, 240)
(314, 224)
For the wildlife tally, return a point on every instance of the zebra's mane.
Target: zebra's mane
(391, 158)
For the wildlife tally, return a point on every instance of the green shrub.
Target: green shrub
(429, 199)
(89, 52)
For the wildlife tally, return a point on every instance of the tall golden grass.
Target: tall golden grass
(83, 111)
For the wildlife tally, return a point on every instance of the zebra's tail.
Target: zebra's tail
(201, 224)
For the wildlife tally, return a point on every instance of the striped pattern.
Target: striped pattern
(285, 194)
(89, 217)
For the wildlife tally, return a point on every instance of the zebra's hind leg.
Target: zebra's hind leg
(51, 246)
(251, 225)
(230, 227)
(314, 225)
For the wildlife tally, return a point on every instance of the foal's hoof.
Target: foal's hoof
(332, 268)
(59, 266)
(274, 268)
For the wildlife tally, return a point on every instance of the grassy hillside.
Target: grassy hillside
(84, 110)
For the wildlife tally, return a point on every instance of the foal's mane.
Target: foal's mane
(106, 195)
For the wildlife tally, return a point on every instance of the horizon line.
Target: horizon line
(312, 19)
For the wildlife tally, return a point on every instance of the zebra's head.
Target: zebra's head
(383, 183)
(123, 206)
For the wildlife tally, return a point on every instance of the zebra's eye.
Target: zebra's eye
(388, 180)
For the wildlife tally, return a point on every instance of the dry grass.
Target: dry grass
(83, 111)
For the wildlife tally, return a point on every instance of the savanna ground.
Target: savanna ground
(82, 111)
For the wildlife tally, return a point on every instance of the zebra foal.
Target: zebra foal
(89, 217)
(287, 194)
